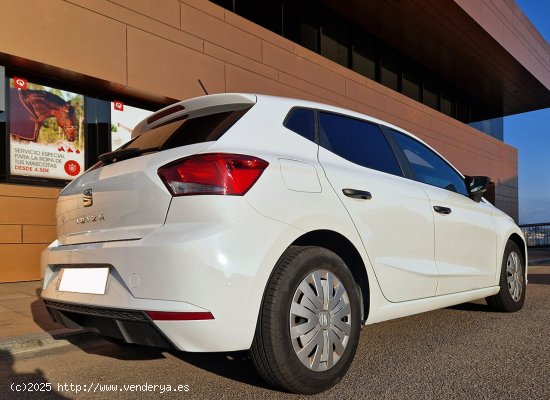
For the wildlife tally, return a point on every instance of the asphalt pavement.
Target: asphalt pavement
(459, 352)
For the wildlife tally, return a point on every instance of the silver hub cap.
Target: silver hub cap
(514, 276)
(320, 320)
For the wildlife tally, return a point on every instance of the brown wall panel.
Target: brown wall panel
(28, 191)
(57, 33)
(293, 64)
(167, 13)
(162, 66)
(10, 234)
(39, 234)
(240, 80)
(20, 262)
(27, 226)
(206, 26)
(145, 22)
(24, 210)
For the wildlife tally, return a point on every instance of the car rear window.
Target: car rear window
(185, 131)
(301, 121)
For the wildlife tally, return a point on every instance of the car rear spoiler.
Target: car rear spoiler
(196, 107)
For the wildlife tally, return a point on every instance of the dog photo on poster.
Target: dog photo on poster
(46, 131)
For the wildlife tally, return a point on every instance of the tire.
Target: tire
(511, 296)
(292, 363)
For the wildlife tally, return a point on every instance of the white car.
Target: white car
(240, 221)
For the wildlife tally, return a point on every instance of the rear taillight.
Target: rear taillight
(225, 174)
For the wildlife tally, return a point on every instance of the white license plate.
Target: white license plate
(83, 280)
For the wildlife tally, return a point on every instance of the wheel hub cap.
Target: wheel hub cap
(514, 276)
(320, 320)
(324, 319)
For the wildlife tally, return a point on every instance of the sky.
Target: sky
(530, 134)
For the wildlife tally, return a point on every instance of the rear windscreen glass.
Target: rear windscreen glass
(185, 131)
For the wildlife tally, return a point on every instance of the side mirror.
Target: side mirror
(477, 185)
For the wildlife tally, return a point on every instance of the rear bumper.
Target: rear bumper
(214, 267)
(128, 325)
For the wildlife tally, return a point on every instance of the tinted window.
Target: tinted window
(428, 167)
(300, 120)
(357, 141)
(183, 131)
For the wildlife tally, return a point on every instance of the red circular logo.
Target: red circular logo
(72, 168)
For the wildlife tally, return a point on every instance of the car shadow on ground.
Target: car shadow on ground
(471, 307)
(24, 385)
(236, 366)
(104, 347)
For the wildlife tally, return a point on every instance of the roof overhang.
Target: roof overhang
(493, 53)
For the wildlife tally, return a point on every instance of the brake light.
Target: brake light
(222, 174)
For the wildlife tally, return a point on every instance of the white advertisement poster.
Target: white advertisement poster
(46, 131)
(124, 118)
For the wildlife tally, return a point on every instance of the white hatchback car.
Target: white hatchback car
(240, 221)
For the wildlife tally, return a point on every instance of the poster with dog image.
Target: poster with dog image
(46, 131)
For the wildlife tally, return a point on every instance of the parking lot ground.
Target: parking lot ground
(459, 352)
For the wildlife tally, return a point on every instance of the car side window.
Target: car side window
(428, 167)
(301, 121)
(360, 142)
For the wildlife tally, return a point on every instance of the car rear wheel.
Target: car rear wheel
(309, 322)
(511, 296)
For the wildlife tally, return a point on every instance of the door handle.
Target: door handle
(442, 210)
(357, 194)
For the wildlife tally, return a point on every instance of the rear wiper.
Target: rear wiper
(124, 154)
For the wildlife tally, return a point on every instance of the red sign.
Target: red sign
(118, 105)
(19, 83)
(72, 168)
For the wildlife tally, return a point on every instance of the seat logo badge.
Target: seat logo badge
(90, 218)
(87, 198)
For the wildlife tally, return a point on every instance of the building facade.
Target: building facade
(77, 73)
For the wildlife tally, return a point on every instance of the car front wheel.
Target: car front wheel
(309, 322)
(511, 296)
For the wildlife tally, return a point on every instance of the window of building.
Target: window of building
(300, 24)
(411, 83)
(320, 28)
(428, 167)
(463, 111)
(360, 142)
(335, 40)
(448, 105)
(430, 92)
(301, 121)
(364, 56)
(266, 13)
(389, 70)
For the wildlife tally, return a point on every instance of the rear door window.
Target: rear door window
(358, 141)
